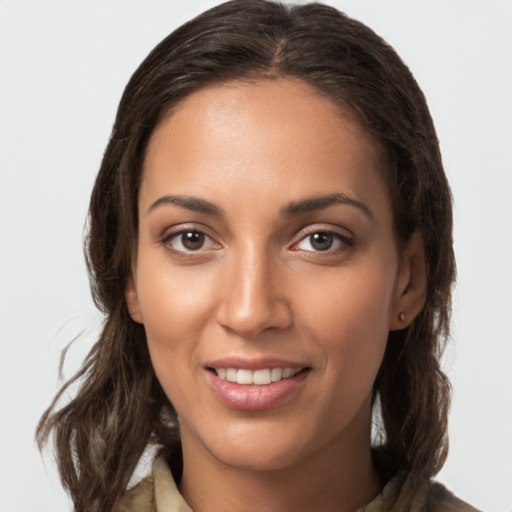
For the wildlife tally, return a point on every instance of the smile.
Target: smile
(258, 389)
(262, 377)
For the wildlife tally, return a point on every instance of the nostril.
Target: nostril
(250, 319)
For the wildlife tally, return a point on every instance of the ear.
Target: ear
(411, 284)
(132, 300)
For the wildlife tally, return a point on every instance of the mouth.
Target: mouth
(256, 385)
(260, 377)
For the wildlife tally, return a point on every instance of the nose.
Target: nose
(252, 297)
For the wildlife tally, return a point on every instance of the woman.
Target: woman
(270, 241)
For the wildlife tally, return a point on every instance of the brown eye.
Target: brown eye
(321, 241)
(192, 240)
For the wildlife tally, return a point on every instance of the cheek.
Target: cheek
(349, 318)
(175, 307)
(173, 303)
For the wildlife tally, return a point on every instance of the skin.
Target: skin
(259, 287)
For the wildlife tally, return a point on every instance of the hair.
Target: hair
(120, 408)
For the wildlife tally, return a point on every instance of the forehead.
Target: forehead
(265, 134)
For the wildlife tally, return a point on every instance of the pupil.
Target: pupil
(321, 241)
(192, 240)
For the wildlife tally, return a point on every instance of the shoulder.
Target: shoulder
(156, 493)
(140, 498)
(402, 493)
(442, 500)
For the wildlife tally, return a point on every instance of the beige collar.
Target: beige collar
(159, 493)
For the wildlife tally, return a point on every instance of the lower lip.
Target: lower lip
(256, 398)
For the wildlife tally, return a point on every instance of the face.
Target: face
(267, 275)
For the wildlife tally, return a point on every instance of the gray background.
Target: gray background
(63, 65)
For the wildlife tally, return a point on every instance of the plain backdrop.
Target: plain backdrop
(63, 66)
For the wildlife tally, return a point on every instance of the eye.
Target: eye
(189, 241)
(321, 241)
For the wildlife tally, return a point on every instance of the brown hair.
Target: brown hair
(120, 408)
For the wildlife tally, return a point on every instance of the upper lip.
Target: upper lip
(257, 363)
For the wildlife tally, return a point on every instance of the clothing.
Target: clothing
(159, 493)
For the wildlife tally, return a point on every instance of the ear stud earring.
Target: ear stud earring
(401, 317)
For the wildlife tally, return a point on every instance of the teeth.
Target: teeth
(288, 372)
(244, 377)
(231, 374)
(258, 377)
(276, 374)
(261, 377)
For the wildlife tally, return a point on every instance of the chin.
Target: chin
(256, 459)
(259, 449)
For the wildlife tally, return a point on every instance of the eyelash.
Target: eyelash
(343, 241)
(176, 235)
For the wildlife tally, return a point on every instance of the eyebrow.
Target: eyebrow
(293, 209)
(190, 203)
(320, 202)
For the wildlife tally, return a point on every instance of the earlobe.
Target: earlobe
(411, 284)
(132, 301)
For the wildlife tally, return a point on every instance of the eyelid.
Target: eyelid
(176, 231)
(345, 239)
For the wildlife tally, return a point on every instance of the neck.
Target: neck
(339, 477)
